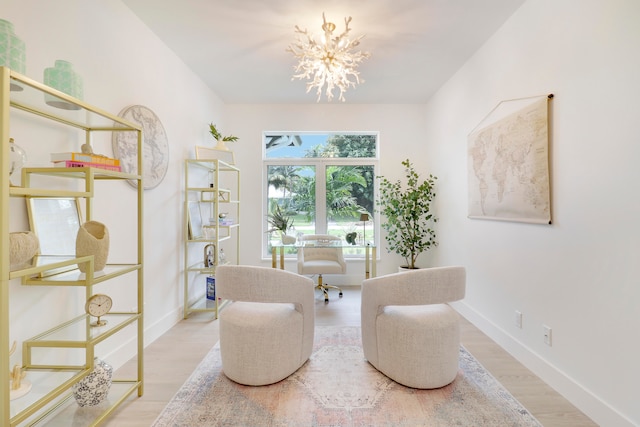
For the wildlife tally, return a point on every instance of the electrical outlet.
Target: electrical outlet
(518, 319)
(547, 335)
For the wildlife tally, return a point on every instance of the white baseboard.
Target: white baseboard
(595, 408)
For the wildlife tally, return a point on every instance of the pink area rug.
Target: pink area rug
(337, 387)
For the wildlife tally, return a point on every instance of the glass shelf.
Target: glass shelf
(199, 267)
(75, 277)
(84, 116)
(45, 386)
(88, 174)
(80, 172)
(210, 164)
(78, 332)
(65, 412)
(42, 263)
(203, 304)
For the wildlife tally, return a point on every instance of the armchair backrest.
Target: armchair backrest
(262, 284)
(417, 287)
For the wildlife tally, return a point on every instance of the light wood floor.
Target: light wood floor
(170, 360)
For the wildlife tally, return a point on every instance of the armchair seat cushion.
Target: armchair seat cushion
(260, 343)
(418, 345)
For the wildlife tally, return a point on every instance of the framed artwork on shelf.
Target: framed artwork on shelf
(205, 153)
(56, 221)
(195, 221)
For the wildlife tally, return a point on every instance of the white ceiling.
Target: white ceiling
(238, 46)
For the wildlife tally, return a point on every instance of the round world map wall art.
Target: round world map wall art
(155, 146)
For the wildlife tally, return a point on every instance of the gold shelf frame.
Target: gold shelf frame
(215, 195)
(31, 101)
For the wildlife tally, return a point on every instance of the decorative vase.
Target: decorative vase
(94, 388)
(93, 239)
(12, 51)
(62, 77)
(17, 158)
(287, 240)
(221, 145)
(23, 245)
(405, 268)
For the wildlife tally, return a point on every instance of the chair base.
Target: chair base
(325, 289)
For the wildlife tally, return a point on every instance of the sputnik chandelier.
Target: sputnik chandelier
(332, 62)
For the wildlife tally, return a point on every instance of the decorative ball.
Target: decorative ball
(94, 388)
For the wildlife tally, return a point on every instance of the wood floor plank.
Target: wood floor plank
(171, 358)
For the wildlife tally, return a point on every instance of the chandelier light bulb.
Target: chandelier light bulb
(329, 64)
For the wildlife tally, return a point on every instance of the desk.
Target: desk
(277, 248)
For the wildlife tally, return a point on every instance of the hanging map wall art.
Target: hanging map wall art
(508, 163)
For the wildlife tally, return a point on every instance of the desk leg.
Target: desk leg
(367, 257)
(281, 257)
(373, 263)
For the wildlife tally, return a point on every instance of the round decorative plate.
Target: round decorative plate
(155, 146)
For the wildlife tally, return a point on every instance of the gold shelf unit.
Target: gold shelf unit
(51, 395)
(221, 188)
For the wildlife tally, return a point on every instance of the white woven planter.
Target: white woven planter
(93, 239)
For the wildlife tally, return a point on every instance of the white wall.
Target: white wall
(122, 63)
(401, 128)
(579, 275)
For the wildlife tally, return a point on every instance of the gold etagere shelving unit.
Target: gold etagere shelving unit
(51, 383)
(205, 185)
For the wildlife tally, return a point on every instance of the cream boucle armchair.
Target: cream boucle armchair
(266, 332)
(409, 332)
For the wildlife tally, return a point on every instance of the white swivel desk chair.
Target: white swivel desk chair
(316, 256)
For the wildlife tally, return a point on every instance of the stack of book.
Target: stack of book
(79, 160)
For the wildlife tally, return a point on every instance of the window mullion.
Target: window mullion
(321, 198)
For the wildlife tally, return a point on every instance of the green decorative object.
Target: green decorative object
(279, 220)
(63, 78)
(407, 209)
(351, 237)
(12, 51)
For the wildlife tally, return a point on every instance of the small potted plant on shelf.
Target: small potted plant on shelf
(282, 222)
(407, 210)
(220, 140)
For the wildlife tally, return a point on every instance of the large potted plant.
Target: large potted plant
(407, 209)
(282, 222)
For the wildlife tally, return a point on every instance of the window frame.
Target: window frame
(321, 164)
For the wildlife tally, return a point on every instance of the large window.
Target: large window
(323, 181)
